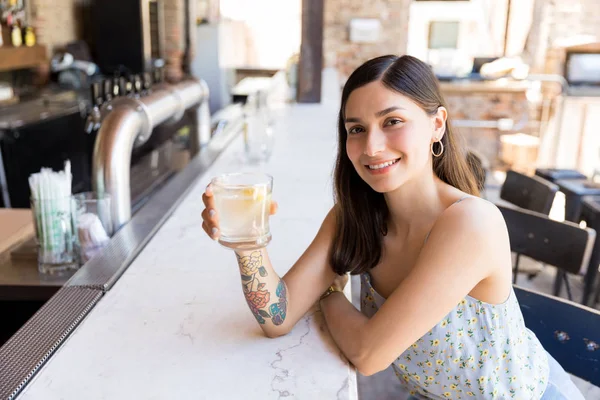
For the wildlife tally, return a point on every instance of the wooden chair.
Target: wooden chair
(528, 192)
(563, 245)
(568, 331)
(531, 193)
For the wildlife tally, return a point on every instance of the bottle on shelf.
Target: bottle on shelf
(16, 36)
(29, 37)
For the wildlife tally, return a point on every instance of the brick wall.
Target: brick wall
(174, 38)
(489, 106)
(555, 21)
(581, 17)
(339, 52)
(55, 21)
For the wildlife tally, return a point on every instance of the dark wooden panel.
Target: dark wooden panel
(311, 52)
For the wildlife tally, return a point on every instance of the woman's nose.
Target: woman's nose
(375, 142)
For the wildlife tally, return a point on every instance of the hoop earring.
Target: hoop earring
(441, 148)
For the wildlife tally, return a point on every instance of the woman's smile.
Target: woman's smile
(382, 167)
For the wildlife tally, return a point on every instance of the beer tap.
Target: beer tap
(158, 75)
(107, 89)
(129, 87)
(122, 86)
(137, 85)
(93, 120)
(116, 87)
(147, 83)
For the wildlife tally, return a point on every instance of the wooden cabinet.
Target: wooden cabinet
(12, 58)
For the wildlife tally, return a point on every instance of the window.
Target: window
(443, 34)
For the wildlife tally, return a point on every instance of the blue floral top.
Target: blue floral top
(478, 350)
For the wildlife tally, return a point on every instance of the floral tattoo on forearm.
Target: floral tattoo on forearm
(258, 298)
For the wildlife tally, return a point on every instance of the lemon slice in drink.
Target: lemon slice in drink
(254, 194)
(256, 203)
(250, 211)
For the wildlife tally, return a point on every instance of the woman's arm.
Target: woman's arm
(264, 290)
(278, 303)
(468, 245)
(345, 324)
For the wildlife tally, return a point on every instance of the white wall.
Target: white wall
(274, 27)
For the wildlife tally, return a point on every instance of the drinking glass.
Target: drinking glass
(55, 239)
(93, 223)
(243, 202)
(258, 137)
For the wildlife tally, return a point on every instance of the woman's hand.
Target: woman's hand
(210, 217)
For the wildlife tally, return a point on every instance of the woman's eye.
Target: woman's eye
(355, 129)
(394, 121)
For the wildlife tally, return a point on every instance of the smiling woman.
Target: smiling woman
(383, 143)
(434, 259)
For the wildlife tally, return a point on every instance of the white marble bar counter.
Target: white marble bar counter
(176, 325)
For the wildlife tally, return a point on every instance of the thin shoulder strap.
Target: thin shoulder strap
(456, 202)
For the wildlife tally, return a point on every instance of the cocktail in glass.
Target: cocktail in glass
(243, 203)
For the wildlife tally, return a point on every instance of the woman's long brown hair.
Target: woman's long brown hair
(361, 212)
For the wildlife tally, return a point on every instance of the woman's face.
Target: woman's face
(389, 136)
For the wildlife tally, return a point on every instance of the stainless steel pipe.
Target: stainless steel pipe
(128, 122)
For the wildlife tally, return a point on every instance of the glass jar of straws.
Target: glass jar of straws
(53, 217)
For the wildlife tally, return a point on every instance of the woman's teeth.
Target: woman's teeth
(385, 164)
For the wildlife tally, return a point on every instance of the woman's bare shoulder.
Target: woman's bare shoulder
(473, 214)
